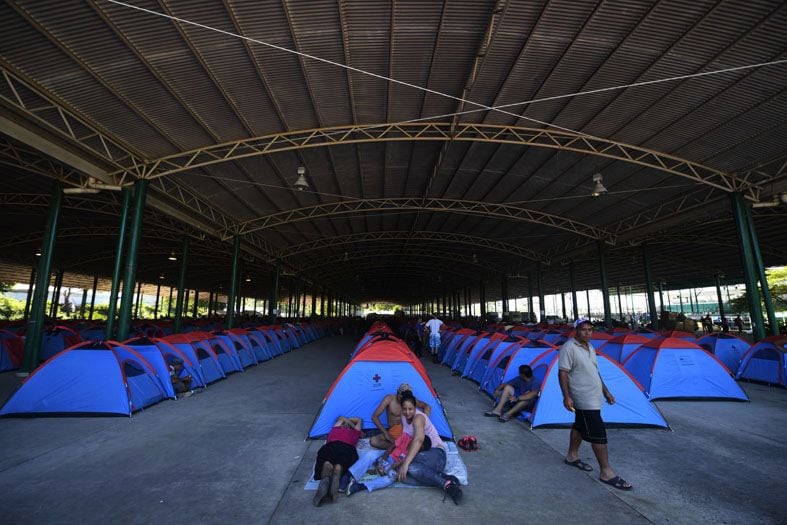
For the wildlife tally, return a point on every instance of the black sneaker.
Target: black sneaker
(453, 491)
(354, 487)
(346, 477)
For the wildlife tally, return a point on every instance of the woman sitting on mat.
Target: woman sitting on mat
(336, 456)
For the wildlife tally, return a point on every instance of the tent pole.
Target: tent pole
(114, 289)
(181, 284)
(124, 319)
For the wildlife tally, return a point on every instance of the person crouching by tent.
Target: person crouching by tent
(425, 468)
(181, 380)
(336, 456)
(517, 395)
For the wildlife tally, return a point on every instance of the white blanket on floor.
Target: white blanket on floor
(453, 465)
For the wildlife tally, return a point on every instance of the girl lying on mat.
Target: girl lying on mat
(336, 456)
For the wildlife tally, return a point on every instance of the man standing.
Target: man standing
(433, 327)
(583, 389)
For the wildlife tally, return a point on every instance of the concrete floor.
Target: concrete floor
(236, 453)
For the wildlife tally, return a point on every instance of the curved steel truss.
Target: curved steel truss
(402, 235)
(399, 254)
(497, 211)
(445, 131)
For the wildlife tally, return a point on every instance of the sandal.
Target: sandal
(617, 482)
(581, 465)
(491, 413)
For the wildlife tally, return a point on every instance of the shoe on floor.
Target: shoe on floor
(453, 491)
(322, 491)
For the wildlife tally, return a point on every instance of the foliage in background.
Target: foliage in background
(777, 285)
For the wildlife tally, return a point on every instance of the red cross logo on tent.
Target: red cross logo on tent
(376, 378)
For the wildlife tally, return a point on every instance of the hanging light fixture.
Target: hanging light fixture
(172, 256)
(248, 279)
(300, 183)
(161, 276)
(346, 256)
(38, 252)
(598, 186)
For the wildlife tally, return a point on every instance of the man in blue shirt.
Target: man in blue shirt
(516, 396)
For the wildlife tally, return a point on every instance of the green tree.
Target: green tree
(777, 285)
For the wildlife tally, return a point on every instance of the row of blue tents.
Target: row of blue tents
(109, 377)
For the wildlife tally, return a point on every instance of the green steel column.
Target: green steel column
(747, 259)
(654, 318)
(56, 293)
(587, 296)
(184, 258)
(139, 300)
(158, 298)
(109, 329)
(135, 234)
(542, 307)
(773, 325)
(84, 304)
(169, 303)
(620, 303)
(36, 321)
(531, 314)
(504, 294)
(274, 298)
(314, 300)
(563, 304)
(572, 282)
(196, 302)
(602, 264)
(29, 299)
(233, 282)
(661, 295)
(93, 299)
(482, 298)
(718, 295)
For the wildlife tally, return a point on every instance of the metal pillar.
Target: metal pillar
(169, 303)
(233, 282)
(620, 304)
(661, 295)
(530, 313)
(56, 293)
(274, 297)
(747, 259)
(654, 318)
(773, 325)
(572, 282)
(84, 304)
(314, 300)
(181, 287)
(604, 287)
(504, 296)
(587, 296)
(29, 299)
(93, 298)
(135, 233)
(718, 295)
(563, 303)
(109, 329)
(36, 321)
(542, 308)
(196, 302)
(158, 299)
(138, 301)
(482, 298)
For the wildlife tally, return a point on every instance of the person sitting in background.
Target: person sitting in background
(181, 380)
(517, 395)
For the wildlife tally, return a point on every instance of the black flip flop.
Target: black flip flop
(581, 465)
(617, 482)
